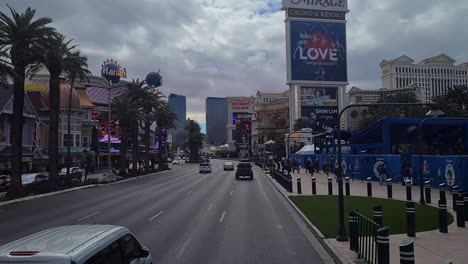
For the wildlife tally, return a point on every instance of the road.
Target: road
(182, 216)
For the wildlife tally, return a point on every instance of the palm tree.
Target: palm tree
(20, 38)
(458, 94)
(126, 111)
(151, 103)
(165, 119)
(354, 114)
(194, 138)
(75, 67)
(57, 57)
(135, 92)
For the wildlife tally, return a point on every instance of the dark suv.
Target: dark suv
(244, 169)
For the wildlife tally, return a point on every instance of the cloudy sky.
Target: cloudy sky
(236, 47)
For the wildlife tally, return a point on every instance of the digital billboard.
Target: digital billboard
(319, 105)
(317, 52)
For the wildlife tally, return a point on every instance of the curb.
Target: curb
(34, 197)
(315, 231)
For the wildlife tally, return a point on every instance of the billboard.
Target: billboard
(243, 122)
(319, 105)
(328, 5)
(317, 52)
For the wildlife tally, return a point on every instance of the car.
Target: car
(175, 162)
(75, 172)
(31, 178)
(228, 166)
(80, 244)
(205, 168)
(4, 183)
(244, 169)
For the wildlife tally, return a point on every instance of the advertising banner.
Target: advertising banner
(451, 170)
(319, 105)
(317, 52)
(331, 5)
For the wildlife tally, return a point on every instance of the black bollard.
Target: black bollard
(410, 219)
(378, 215)
(460, 203)
(427, 191)
(347, 186)
(454, 197)
(383, 245)
(443, 225)
(407, 252)
(330, 186)
(299, 185)
(389, 188)
(353, 232)
(369, 187)
(314, 186)
(442, 192)
(409, 192)
(465, 200)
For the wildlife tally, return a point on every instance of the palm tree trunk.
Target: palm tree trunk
(147, 145)
(54, 112)
(160, 149)
(16, 134)
(68, 157)
(135, 147)
(123, 152)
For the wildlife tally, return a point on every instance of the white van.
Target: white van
(77, 244)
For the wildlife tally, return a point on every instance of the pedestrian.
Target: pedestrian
(316, 165)
(307, 166)
(406, 172)
(382, 170)
(294, 166)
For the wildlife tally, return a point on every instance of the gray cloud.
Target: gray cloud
(236, 47)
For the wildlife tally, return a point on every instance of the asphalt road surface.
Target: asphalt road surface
(182, 216)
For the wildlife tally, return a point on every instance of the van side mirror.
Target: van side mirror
(144, 252)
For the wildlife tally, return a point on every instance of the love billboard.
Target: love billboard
(317, 52)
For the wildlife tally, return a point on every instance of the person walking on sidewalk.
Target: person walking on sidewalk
(316, 165)
(382, 170)
(307, 166)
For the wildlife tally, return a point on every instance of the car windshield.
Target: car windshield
(234, 131)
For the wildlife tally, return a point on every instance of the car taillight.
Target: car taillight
(23, 253)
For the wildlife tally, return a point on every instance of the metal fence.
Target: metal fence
(363, 233)
(283, 179)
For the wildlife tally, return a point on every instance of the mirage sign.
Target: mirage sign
(324, 5)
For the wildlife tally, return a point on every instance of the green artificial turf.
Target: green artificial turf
(322, 211)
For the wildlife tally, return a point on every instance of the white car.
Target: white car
(228, 166)
(77, 244)
(205, 168)
(175, 162)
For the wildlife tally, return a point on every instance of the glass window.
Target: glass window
(109, 255)
(85, 142)
(130, 247)
(68, 140)
(77, 140)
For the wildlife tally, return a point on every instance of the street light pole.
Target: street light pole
(109, 116)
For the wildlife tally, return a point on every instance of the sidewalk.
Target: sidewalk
(430, 247)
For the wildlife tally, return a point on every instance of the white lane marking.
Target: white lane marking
(88, 216)
(235, 182)
(231, 192)
(146, 193)
(154, 217)
(211, 206)
(184, 246)
(222, 217)
(187, 194)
